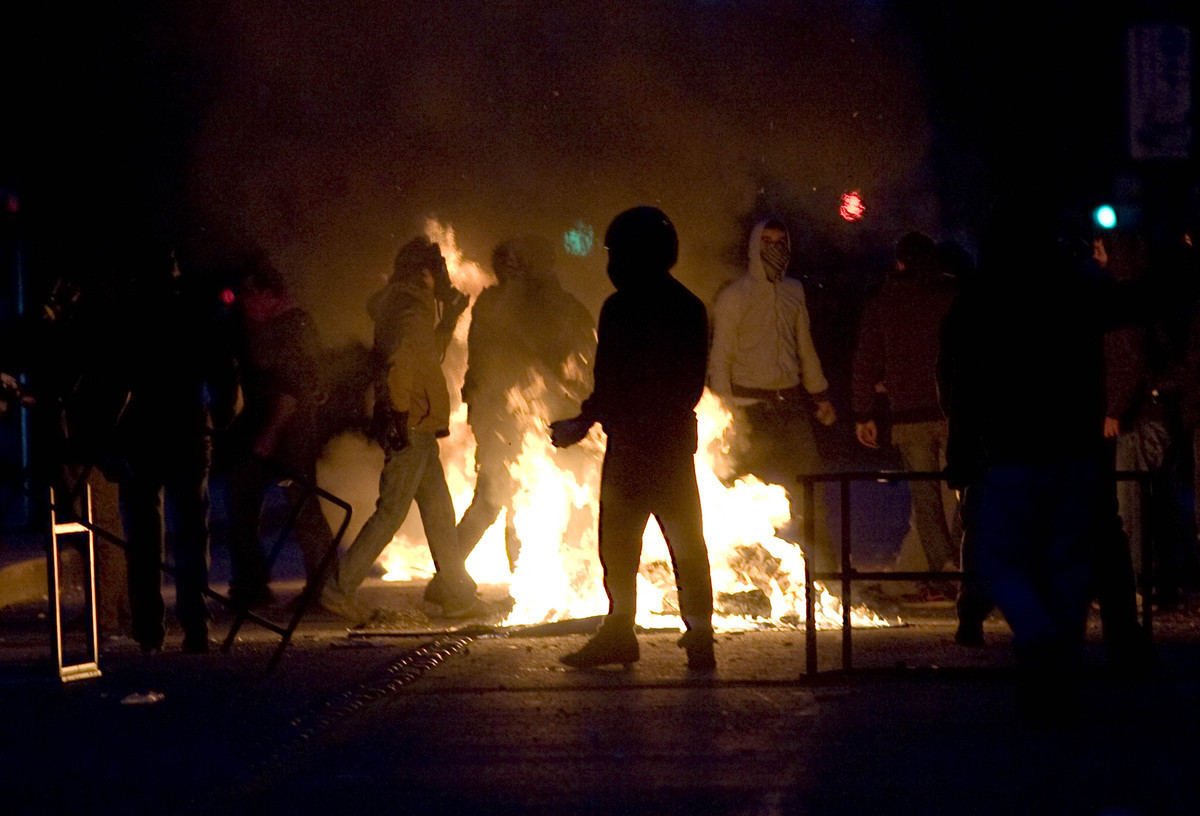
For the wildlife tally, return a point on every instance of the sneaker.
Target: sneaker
(343, 607)
(699, 645)
(473, 607)
(609, 646)
(195, 643)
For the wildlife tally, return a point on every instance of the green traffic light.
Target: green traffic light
(1105, 216)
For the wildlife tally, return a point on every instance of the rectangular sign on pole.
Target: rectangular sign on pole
(1160, 92)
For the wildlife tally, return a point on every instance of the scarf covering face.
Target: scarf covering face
(774, 258)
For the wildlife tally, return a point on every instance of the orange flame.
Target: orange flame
(558, 573)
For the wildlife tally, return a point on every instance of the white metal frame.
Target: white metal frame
(87, 669)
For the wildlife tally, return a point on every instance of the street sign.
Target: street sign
(1160, 92)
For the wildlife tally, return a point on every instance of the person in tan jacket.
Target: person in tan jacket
(414, 318)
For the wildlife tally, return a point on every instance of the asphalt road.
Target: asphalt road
(422, 719)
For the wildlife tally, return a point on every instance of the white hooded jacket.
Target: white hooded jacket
(761, 335)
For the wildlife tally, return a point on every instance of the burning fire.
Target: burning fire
(758, 578)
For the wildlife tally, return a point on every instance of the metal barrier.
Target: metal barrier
(80, 534)
(847, 575)
(70, 514)
(312, 587)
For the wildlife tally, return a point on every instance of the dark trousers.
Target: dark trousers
(1113, 583)
(171, 497)
(640, 480)
(780, 445)
(494, 490)
(249, 480)
(1032, 529)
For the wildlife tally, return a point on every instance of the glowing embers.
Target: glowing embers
(852, 208)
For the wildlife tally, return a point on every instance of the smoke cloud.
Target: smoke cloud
(332, 133)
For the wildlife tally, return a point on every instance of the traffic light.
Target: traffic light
(1105, 217)
(852, 207)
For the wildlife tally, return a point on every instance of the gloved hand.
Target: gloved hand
(455, 304)
(397, 436)
(389, 428)
(566, 432)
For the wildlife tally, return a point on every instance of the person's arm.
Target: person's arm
(867, 368)
(450, 310)
(811, 373)
(415, 342)
(724, 347)
(567, 432)
(283, 408)
(867, 373)
(1124, 381)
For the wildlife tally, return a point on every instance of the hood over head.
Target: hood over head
(526, 257)
(768, 263)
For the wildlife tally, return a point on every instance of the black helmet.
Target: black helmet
(643, 237)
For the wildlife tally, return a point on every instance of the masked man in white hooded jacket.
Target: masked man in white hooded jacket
(765, 368)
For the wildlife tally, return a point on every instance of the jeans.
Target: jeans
(167, 497)
(922, 447)
(413, 473)
(780, 444)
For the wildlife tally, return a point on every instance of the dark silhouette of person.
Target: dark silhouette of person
(161, 449)
(649, 375)
(896, 349)
(528, 333)
(274, 440)
(415, 315)
(1024, 375)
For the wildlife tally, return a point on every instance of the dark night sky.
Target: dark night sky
(328, 133)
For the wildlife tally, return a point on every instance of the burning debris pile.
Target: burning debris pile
(758, 578)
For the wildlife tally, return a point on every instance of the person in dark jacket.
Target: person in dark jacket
(274, 440)
(527, 333)
(161, 449)
(650, 368)
(1023, 350)
(897, 350)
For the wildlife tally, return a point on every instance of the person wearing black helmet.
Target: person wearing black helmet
(649, 375)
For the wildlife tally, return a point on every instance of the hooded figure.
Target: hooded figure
(763, 364)
(761, 336)
(414, 318)
(525, 332)
(896, 354)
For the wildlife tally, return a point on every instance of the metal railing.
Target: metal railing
(847, 574)
(312, 587)
(66, 506)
